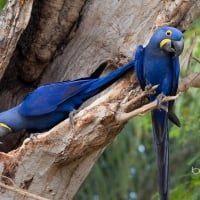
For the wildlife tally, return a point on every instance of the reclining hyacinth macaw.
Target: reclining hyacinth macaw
(50, 104)
(158, 64)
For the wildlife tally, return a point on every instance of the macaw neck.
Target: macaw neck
(12, 118)
(154, 50)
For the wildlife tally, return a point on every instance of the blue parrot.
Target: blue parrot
(49, 104)
(158, 64)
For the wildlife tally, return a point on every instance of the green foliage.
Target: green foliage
(116, 175)
(187, 181)
(127, 169)
(2, 4)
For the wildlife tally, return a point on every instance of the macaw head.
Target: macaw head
(4, 129)
(169, 39)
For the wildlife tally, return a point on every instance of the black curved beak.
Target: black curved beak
(178, 46)
(3, 131)
(173, 46)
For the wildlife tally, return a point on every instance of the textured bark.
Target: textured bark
(68, 40)
(13, 21)
(54, 23)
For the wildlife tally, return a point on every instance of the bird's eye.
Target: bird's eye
(168, 33)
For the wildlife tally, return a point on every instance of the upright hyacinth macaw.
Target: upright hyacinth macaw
(50, 104)
(158, 64)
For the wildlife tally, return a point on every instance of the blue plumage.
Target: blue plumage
(158, 64)
(49, 104)
(48, 98)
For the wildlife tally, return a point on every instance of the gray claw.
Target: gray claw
(160, 105)
(71, 119)
(150, 89)
(33, 136)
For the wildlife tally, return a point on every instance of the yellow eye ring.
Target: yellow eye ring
(168, 33)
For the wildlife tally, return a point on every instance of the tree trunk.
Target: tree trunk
(68, 40)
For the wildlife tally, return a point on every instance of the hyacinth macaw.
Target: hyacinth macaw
(158, 64)
(50, 104)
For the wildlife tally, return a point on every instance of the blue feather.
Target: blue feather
(50, 104)
(158, 64)
(47, 98)
(139, 59)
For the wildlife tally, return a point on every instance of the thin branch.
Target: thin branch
(192, 45)
(189, 63)
(21, 192)
(138, 97)
(140, 111)
(196, 59)
(188, 54)
(192, 80)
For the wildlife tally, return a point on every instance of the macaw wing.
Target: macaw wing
(161, 141)
(139, 69)
(47, 98)
(175, 79)
(176, 72)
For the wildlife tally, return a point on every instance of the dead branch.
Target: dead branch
(187, 54)
(125, 105)
(95, 127)
(23, 193)
(192, 80)
(123, 117)
(196, 59)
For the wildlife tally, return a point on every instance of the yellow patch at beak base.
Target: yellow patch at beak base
(164, 42)
(5, 126)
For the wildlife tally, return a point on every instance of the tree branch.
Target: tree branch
(23, 193)
(144, 109)
(192, 80)
(95, 127)
(196, 59)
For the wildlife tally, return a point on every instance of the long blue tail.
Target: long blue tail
(161, 139)
(103, 82)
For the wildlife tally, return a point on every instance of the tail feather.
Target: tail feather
(161, 139)
(105, 81)
(92, 87)
(173, 118)
(171, 115)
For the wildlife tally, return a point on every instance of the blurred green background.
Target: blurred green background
(2, 4)
(127, 169)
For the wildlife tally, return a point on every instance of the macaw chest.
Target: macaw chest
(159, 72)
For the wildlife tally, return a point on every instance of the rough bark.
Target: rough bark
(68, 40)
(13, 21)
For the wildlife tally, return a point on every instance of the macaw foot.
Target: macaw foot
(147, 88)
(160, 105)
(71, 119)
(34, 136)
(150, 89)
(160, 101)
